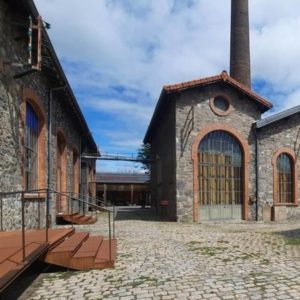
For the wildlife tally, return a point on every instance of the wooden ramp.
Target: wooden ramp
(76, 218)
(67, 248)
(11, 253)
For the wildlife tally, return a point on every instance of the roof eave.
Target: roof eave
(33, 10)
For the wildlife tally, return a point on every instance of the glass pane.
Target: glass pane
(221, 103)
(220, 169)
(285, 178)
(31, 148)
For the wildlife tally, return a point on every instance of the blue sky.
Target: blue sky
(117, 55)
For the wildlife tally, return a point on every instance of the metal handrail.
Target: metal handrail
(23, 223)
(69, 195)
(108, 204)
(97, 206)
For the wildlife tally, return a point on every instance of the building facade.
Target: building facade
(216, 159)
(220, 161)
(43, 131)
(123, 188)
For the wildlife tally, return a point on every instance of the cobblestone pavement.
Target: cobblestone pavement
(160, 260)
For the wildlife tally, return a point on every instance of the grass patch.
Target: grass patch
(293, 242)
(204, 250)
(265, 261)
(248, 256)
(143, 279)
(223, 242)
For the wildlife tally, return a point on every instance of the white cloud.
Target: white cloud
(142, 45)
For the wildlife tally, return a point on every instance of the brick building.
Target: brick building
(43, 131)
(216, 158)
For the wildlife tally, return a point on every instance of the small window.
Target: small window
(220, 105)
(31, 148)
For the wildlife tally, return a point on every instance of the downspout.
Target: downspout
(51, 91)
(256, 171)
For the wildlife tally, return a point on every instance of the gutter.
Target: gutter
(254, 129)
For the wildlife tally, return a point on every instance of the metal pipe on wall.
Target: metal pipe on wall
(51, 91)
(256, 171)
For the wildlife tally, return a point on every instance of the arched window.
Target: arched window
(35, 132)
(285, 181)
(31, 148)
(220, 175)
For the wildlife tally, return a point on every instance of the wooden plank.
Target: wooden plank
(72, 243)
(8, 270)
(89, 247)
(103, 253)
(32, 251)
(84, 258)
(5, 253)
(6, 267)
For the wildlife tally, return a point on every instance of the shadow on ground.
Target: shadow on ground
(290, 234)
(17, 289)
(135, 213)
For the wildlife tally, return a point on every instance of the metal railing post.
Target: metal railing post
(23, 226)
(109, 232)
(71, 205)
(1, 207)
(47, 214)
(114, 230)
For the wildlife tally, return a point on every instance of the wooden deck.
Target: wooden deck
(66, 248)
(11, 254)
(76, 218)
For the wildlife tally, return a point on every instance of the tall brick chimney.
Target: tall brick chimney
(239, 42)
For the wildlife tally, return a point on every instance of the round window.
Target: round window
(220, 105)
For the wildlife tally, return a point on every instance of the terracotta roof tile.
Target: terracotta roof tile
(173, 88)
(209, 80)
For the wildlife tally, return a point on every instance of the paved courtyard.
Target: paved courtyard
(161, 260)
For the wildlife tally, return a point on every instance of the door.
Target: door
(220, 175)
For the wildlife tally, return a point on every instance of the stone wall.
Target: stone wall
(11, 212)
(12, 116)
(244, 113)
(163, 185)
(283, 133)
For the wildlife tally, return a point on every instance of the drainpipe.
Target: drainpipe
(256, 170)
(80, 160)
(51, 91)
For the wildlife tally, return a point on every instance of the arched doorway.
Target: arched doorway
(61, 169)
(220, 176)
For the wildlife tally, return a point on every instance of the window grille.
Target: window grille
(220, 169)
(285, 178)
(31, 148)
